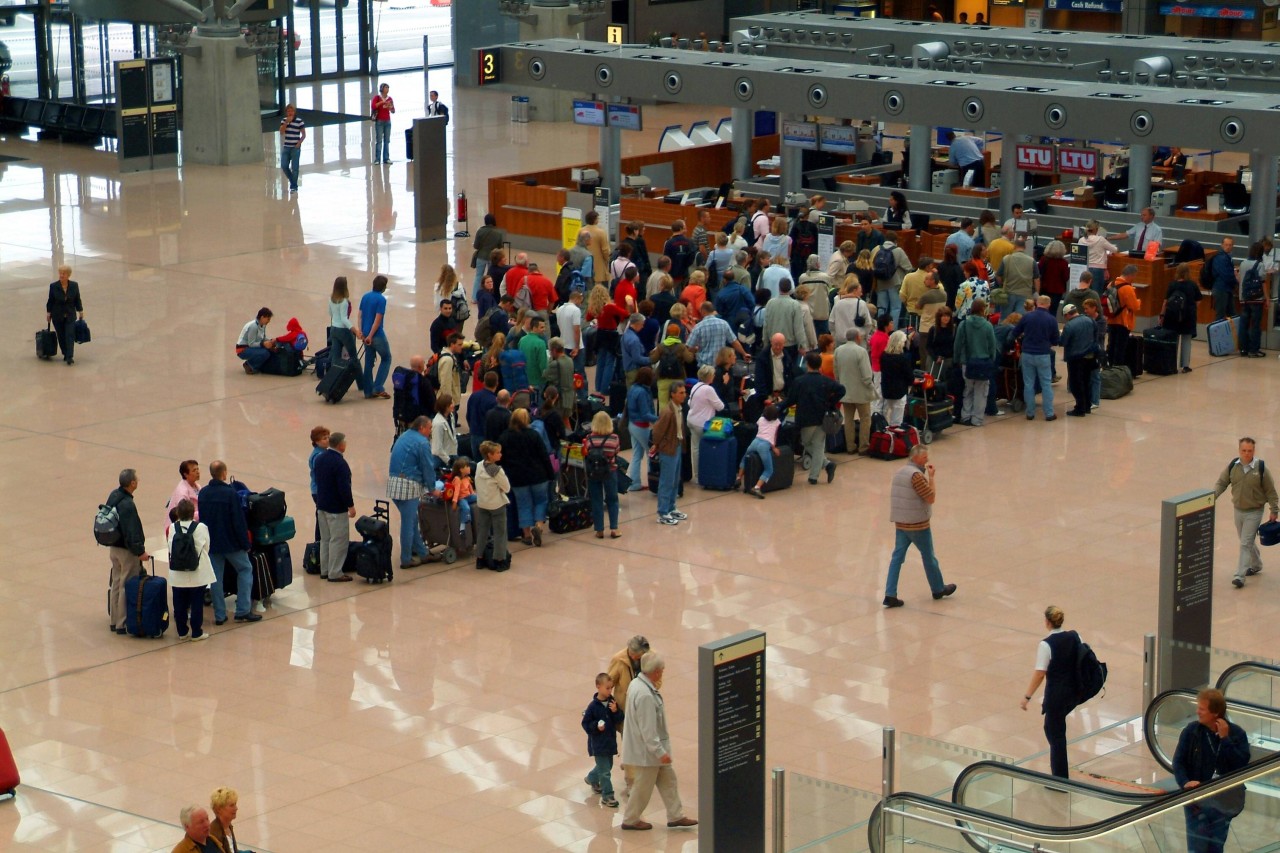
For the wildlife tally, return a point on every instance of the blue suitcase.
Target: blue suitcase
(275, 532)
(718, 463)
(1222, 336)
(146, 605)
(281, 562)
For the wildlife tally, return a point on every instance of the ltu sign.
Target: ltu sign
(1078, 161)
(1036, 158)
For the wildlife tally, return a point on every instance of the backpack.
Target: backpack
(1091, 673)
(1206, 275)
(749, 233)
(1251, 287)
(885, 265)
(524, 296)
(184, 556)
(299, 343)
(805, 242)
(106, 525)
(433, 369)
(595, 462)
(461, 307)
(577, 284)
(484, 328)
(669, 366)
(1111, 296)
(1262, 467)
(1175, 308)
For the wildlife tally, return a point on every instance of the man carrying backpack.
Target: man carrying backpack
(1252, 488)
(1121, 302)
(890, 265)
(680, 250)
(120, 529)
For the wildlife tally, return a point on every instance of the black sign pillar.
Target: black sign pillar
(731, 766)
(1186, 589)
(146, 114)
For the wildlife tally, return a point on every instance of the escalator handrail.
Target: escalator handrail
(1148, 719)
(1230, 672)
(962, 814)
(1071, 786)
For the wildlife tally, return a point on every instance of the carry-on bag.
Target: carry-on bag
(1116, 382)
(9, 779)
(372, 557)
(784, 470)
(146, 604)
(567, 515)
(1160, 352)
(274, 532)
(893, 442)
(284, 361)
(718, 462)
(46, 343)
(338, 379)
(1222, 336)
(266, 507)
(1133, 355)
(281, 562)
(311, 558)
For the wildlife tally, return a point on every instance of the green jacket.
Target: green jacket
(534, 348)
(975, 339)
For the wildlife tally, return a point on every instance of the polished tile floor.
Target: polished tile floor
(441, 712)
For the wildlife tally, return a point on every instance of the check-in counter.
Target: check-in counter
(658, 217)
(1153, 278)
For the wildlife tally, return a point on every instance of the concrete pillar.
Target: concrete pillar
(791, 176)
(743, 120)
(921, 177)
(1139, 177)
(220, 122)
(1012, 179)
(1262, 204)
(611, 160)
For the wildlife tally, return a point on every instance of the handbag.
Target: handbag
(81, 332)
(833, 422)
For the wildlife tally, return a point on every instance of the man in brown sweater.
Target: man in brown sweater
(1251, 490)
(668, 441)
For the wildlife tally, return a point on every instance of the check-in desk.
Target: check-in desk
(1153, 278)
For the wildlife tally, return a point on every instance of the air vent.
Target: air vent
(657, 56)
(799, 70)
(720, 63)
(1203, 102)
(589, 51)
(1129, 37)
(959, 84)
(871, 77)
(1114, 95)
(1035, 90)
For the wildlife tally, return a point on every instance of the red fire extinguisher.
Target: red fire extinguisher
(461, 215)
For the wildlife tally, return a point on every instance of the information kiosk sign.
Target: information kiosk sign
(1186, 589)
(731, 766)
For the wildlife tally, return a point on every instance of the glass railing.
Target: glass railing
(1252, 681)
(1065, 819)
(929, 765)
(823, 817)
(1170, 712)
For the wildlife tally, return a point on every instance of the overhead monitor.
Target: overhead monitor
(590, 113)
(625, 116)
(800, 134)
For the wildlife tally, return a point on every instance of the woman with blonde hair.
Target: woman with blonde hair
(492, 358)
(342, 340)
(224, 802)
(806, 310)
(603, 493)
(896, 375)
(693, 295)
(778, 243)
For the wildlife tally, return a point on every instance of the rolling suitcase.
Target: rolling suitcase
(655, 462)
(784, 470)
(146, 604)
(281, 562)
(1160, 351)
(372, 559)
(567, 515)
(718, 463)
(9, 779)
(1133, 355)
(46, 343)
(1222, 336)
(744, 433)
(338, 380)
(274, 532)
(617, 397)
(311, 558)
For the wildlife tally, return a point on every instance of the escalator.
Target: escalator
(997, 807)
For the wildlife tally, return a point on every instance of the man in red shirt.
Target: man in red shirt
(515, 276)
(542, 291)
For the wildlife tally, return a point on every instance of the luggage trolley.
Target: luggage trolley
(929, 408)
(1009, 379)
(439, 523)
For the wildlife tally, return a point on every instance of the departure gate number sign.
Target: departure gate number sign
(490, 67)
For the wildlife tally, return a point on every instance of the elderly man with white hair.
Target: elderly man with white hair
(195, 820)
(853, 371)
(646, 749)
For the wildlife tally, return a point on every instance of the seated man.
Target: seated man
(254, 347)
(195, 820)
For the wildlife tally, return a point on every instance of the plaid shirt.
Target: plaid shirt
(710, 336)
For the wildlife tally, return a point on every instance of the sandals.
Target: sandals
(613, 534)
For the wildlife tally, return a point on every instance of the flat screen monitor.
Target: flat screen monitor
(919, 221)
(590, 113)
(1180, 172)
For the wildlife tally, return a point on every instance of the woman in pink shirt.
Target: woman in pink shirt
(764, 446)
(186, 489)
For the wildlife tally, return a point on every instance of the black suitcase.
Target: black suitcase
(372, 559)
(284, 361)
(146, 604)
(1160, 352)
(1133, 355)
(311, 558)
(617, 397)
(784, 470)
(568, 515)
(281, 563)
(266, 507)
(655, 463)
(744, 433)
(46, 343)
(338, 379)
(408, 143)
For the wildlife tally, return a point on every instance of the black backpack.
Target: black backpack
(184, 556)
(669, 366)
(106, 525)
(1091, 673)
(749, 233)
(1175, 308)
(596, 463)
(1251, 287)
(805, 241)
(1206, 275)
(885, 264)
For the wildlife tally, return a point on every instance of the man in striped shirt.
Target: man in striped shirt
(911, 505)
(292, 132)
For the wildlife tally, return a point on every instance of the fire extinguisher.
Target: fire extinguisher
(461, 215)
(4, 86)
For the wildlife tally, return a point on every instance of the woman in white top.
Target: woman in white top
(736, 241)
(189, 584)
(848, 310)
(778, 244)
(448, 287)
(1095, 241)
(704, 402)
(342, 341)
(444, 437)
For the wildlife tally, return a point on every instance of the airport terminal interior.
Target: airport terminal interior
(441, 712)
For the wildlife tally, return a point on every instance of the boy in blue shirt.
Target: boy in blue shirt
(600, 721)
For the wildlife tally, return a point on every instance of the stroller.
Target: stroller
(929, 408)
(440, 530)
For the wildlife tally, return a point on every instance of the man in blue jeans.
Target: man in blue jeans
(222, 513)
(910, 509)
(668, 440)
(253, 346)
(292, 134)
(373, 315)
(1039, 333)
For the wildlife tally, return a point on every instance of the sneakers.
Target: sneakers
(1186, 370)
(1051, 418)
(199, 637)
(892, 601)
(677, 515)
(249, 369)
(595, 786)
(755, 493)
(946, 590)
(668, 519)
(609, 802)
(259, 607)
(1238, 583)
(1253, 571)
(182, 637)
(1093, 407)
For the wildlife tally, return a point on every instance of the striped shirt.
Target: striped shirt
(710, 336)
(293, 132)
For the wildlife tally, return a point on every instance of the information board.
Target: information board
(731, 741)
(800, 134)
(838, 138)
(625, 116)
(590, 113)
(1186, 589)
(826, 235)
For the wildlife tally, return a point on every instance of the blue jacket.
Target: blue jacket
(601, 742)
(222, 512)
(1039, 332)
(411, 457)
(311, 465)
(1078, 338)
(333, 483)
(477, 407)
(640, 409)
(634, 355)
(1224, 272)
(731, 303)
